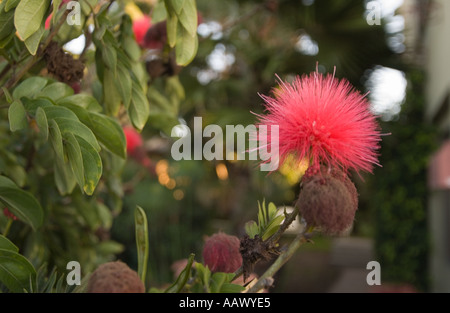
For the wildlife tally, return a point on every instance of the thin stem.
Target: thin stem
(8, 227)
(299, 240)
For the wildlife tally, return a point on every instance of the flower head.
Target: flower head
(323, 120)
(140, 27)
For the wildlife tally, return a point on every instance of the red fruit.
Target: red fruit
(221, 253)
(134, 139)
(140, 27)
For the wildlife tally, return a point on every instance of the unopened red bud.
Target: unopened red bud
(328, 200)
(221, 253)
(115, 277)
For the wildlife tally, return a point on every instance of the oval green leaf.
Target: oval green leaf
(17, 116)
(56, 139)
(16, 272)
(6, 244)
(29, 15)
(138, 110)
(42, 123)
(77, 128)
(30, 87)
(92, 164)
(21, 203)
(73, 150)
(56, 91)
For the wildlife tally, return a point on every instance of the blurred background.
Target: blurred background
(395, 50)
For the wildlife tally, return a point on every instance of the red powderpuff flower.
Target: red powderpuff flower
(133, 138)
(324, 120)
(221, 253)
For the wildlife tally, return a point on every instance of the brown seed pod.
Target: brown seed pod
(115, 277)
(328, 200)
(62, 65)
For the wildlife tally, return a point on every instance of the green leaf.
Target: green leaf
(64, 179)
(75, 127)
(109, 56)
(175, 5)
(182, 279)
(16, 272)
(142, 245)
(106, 129)
(21, 203)
(32, 42)
(56, 91)
(17, 173)
(83, 100)
(131, 48)
(138, 110)
(6, 24)
(42, 123)
(17, 116)
(171, 26)
(111, 95)
(30, 87)
(217, 280)
(92, 164)
(123, 84)
(29, 15)
(11, 4)
(73, 150)
(186, 46)
(188, 17)
(53, 112)
(273, 227)
(251, 229)
(5, 41)
(6, 244)
(56, 139)
(231, 288)
(109, 133)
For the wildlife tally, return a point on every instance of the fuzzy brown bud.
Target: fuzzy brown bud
(115, 277)
(328, 200)
(221, 253)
